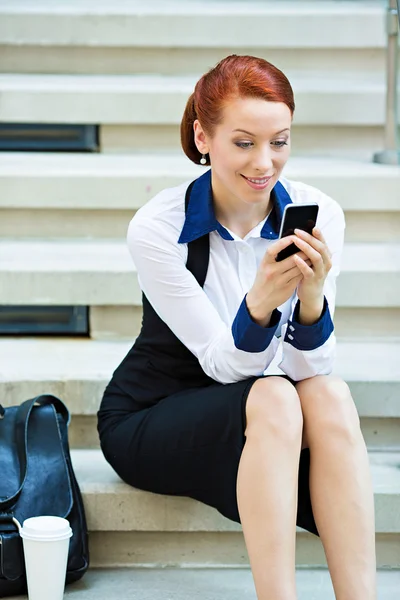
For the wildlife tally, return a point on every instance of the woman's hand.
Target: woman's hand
(310, 287)
(275, 281)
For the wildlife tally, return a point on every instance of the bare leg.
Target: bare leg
(267, 486)
(340, 486)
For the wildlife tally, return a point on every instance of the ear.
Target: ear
(200, 138)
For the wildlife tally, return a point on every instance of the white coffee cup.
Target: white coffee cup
(46, 544)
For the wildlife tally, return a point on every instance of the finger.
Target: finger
(318, 234)
(307, 271)
(276, 247)
(290, 262)
(311, 239)
(328, 256)
(319, 244)
(289, 274)
(294, 276)
(316, 258)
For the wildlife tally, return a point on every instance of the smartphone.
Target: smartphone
(297, 216)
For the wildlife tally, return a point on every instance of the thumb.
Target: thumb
(276, 247)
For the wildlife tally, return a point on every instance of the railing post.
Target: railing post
(391, 154)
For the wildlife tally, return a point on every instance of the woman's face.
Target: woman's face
(259, 152)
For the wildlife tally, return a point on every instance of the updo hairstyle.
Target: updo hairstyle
(233, 77)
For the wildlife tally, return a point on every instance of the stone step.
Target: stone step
(351, 324)
(206, 584)
(101, 272)
(129, 526)
(77, 371)
(350, 39)
(58, 180)
(165, 38)
(95, 195)
(380, 433)
(118, 60)
(355, 99)
(350, 142)
(191, 24)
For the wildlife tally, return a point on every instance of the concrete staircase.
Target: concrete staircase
(129, 68)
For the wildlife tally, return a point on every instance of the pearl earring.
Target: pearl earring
(203, 160)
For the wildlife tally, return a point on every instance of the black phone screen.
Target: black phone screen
(297, 216)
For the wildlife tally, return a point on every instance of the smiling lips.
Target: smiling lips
(257, 183)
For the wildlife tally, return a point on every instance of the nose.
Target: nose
(263, 161)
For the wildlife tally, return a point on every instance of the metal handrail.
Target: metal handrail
(391, 154)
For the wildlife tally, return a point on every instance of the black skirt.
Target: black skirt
(188, 444)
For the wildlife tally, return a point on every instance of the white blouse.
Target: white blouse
(213, 321)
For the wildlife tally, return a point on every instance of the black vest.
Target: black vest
(159, 364)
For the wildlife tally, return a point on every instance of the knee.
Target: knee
(328, 406)
(273, 405)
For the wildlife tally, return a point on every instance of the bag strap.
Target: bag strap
(21, 436)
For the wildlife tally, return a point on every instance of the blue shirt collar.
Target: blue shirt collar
(200, 218)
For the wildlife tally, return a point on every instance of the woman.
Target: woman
(194, 409)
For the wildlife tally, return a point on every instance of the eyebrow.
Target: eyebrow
(254, 135)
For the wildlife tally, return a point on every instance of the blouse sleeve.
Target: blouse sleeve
(227, 353)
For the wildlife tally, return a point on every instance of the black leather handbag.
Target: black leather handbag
(37, 478)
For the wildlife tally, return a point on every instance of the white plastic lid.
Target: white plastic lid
(46, 529)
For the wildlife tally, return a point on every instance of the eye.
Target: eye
(246, 145)
(243, 144)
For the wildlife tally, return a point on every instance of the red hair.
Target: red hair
(233, 77)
